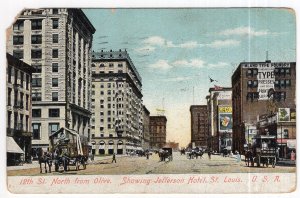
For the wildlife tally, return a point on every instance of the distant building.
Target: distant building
(57, 42)
(262, 88)
(18, 98)
(199, 125)
(146, 129)
(117, 106)
(173, 145)
(158, 131)
(219, 136)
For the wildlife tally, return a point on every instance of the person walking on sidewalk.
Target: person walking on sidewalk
(114, 158)
(209, 154)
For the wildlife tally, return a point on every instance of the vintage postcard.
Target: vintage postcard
(156, 100)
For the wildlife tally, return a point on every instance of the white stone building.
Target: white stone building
(57, 42)
(117, 120)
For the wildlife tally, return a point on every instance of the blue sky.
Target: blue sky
(175, 50)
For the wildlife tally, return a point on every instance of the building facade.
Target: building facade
(219, 136)
(57, 43)
(199, 125)
(260, 88)
(117, 109)
(146, 129)
(158, 131)
(18, 98)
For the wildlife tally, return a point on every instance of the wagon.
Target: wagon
(69, 149)
(168, 153)
(264, 149)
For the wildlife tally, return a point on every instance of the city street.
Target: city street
(140, 165)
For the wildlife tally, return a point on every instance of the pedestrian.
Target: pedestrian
(293, 156)
(147, 155)
(114, 158)
(209, 154)
(238, 157)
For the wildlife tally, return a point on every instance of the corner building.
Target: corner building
(158, 131)
(117, 109)
(251, 86)
(57, 43)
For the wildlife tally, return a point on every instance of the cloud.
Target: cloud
(189, 63)
(161, 64)
(224, 43)
(179, 78)
(189, 44)
(154, 40)
(219, 64)
(145, 49)
(244, 31)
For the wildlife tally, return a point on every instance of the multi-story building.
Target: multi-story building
(146, 129)
(199, 125)
(57, 43)
(18, 95)
(173, 145)
(219, 137)
(260, 88)
(117, 109)
(158, 131)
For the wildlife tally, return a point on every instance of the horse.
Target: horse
(45, 158)
(249, 158)
(182, 152)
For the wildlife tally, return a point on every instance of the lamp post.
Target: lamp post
(281, 141)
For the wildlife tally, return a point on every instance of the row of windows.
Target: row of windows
(18, 101)
(35, 39)
(36, 24)
(109, 72)
(277, 72)
(278, 83)
(36, 129)
(38, 67)
(37, 96)
(37, 82)
(17, 75)
(35, 53)
(110, 65)
(37, 113)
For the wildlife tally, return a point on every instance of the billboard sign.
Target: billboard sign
(284, 115)
(265, 80)
(225, 118)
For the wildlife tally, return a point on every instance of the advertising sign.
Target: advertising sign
(284, 115)
(225, 118)
(265, 80)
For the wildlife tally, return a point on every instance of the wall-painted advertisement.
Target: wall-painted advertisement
(265, 80)
(225, 118)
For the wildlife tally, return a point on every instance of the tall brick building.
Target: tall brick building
(158, 131)
(260, 88)
(199, 125)
(57, 43)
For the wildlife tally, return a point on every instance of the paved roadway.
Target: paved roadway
(140, 165)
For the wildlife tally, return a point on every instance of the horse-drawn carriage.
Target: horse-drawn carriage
(68, 149)
(262, 151)
(165, 153)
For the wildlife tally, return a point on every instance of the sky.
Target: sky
(177, 50)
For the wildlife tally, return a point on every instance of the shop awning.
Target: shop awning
(281, 141)
(12, 146)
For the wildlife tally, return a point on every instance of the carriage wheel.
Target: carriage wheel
(274, 163)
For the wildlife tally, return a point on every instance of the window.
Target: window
(36, 131)
(54, 23)
(249, 83)
(54, 96)
(101, 92)
(277, 84)
(276, 71)
(36, 39)
(111, 65)
(287, 71)
(9, 96)
(54, 67)
(101, 65)
(120, 71)
(36, 113)
(109, 127)
(285, 133)
(27, 101)
(18, 54)
(36, 24)
(109, 92)
(108, 98)
(255, 71)
(255, 83)
(108, 105)
(53, 113)
(101, 86)
(53, 127)
(55, 53)
(19, 25)
(54, 82)
(36, 53)
(101, 128)
(36, 96)
(9, 72)
(36, 82)
(38, 68)
(54, 11)
(18, 40)
(282, 83)
(54, 38)
(249, 72)
(120, 65)
(288, 82)
(101, 113)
